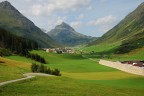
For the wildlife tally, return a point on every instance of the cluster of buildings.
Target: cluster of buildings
(137, 63)
(60, 50)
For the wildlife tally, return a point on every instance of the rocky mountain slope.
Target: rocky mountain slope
(66, 35)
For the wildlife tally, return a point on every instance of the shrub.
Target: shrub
(34, 67)
(49, 71)
(56, 72)
(43, 69)
(36, 57)
(4, 52)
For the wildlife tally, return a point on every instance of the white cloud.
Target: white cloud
(36, 10)
(59, 20)
(104, 23)
(53, 22)
(48, 7)
(104, 28)
(76, 24)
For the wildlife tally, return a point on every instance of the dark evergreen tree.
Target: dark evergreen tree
(15, 44)
(56, 72)
(49, 71)
(43, 69)
(34, 67)
(40, 68)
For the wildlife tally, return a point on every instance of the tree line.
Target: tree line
(4, 52)
(36, 57)
(135, 42)
(44, 69)
(10, 43)
(16, 44)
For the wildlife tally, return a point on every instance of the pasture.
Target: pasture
(11, 69)
(80, 77)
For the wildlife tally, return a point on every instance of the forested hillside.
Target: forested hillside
(16, 23)
(15, 44)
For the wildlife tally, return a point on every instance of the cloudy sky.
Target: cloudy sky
(90, 17)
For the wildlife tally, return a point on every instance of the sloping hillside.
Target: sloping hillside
(128, 28)
(12, 20)
(15, 44)
(11, 69)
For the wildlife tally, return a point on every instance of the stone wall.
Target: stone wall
(123, 67)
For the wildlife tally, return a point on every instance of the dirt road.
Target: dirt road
(28, 76)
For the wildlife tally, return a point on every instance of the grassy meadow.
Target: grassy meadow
(11, 69)
(108, 50)
(137, 54)
(104, 47)
(62, 86)
(80, 77)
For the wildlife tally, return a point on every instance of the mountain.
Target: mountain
(134, 42)
(12, 20)
(66, 35)
(130, 27)
(9, 41)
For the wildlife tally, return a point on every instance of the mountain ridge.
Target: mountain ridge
(65, 34)
(12, 20)
(131, 25)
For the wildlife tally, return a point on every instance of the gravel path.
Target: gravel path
(28, 76)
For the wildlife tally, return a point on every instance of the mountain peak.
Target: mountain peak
(63, 23)
(142, 4)
(66, 35)
(15, 22)
(127, 29)
(6, 5)
(5, 2)
(64, 26)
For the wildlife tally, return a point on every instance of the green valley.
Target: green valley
(63, 62)
(77, 72)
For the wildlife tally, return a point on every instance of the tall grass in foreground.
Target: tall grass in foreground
(62, 86)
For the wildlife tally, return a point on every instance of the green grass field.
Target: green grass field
(80, 77)
(62, 86)
(137, 54)
(11, 69)
(101, 47)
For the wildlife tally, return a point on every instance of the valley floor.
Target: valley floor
(80, 77)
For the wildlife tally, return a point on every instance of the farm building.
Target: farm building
(134, 63)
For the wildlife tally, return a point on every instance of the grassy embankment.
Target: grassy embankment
(109, 51)
(80, 77)
(11, 69)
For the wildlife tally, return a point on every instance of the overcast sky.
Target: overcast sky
(90, 17)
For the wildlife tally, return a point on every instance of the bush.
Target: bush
(40, 68)
(36, 57)
(4, 52)
(56, 72)
(129, 45)
(49, 71)
(43, 69)
(34, 67)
